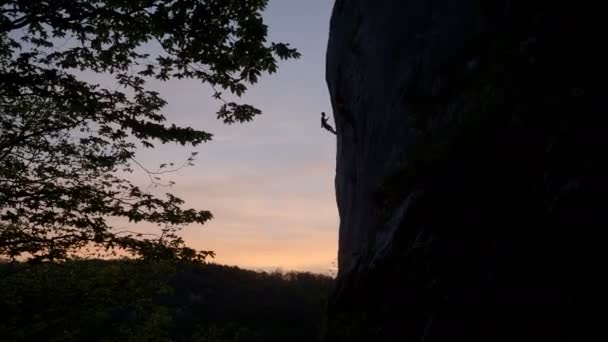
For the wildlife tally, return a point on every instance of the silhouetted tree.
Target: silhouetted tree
(65, 144)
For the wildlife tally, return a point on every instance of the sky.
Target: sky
(268, 183)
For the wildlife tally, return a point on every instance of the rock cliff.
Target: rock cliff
(469, 167)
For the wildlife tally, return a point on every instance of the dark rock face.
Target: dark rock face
(470, 168)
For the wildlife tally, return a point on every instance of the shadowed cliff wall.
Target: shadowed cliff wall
(469, 173)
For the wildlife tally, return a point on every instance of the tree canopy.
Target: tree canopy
(66, 145)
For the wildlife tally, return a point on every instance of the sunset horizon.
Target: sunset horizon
(269, 183)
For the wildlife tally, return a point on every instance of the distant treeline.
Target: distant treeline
(94, 300)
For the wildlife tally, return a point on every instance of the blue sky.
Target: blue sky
(269, 183)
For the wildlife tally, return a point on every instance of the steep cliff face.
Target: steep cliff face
(468, 167)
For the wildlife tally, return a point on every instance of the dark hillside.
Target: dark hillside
(138, 301)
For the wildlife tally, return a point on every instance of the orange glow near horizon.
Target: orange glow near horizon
(269, 183)
(311, 255)
(284, 219)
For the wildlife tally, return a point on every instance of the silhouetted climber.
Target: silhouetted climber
(325, 125)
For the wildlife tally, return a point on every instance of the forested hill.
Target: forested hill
(142, 301)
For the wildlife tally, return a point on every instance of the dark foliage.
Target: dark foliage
(158, 301)
(65, 143)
